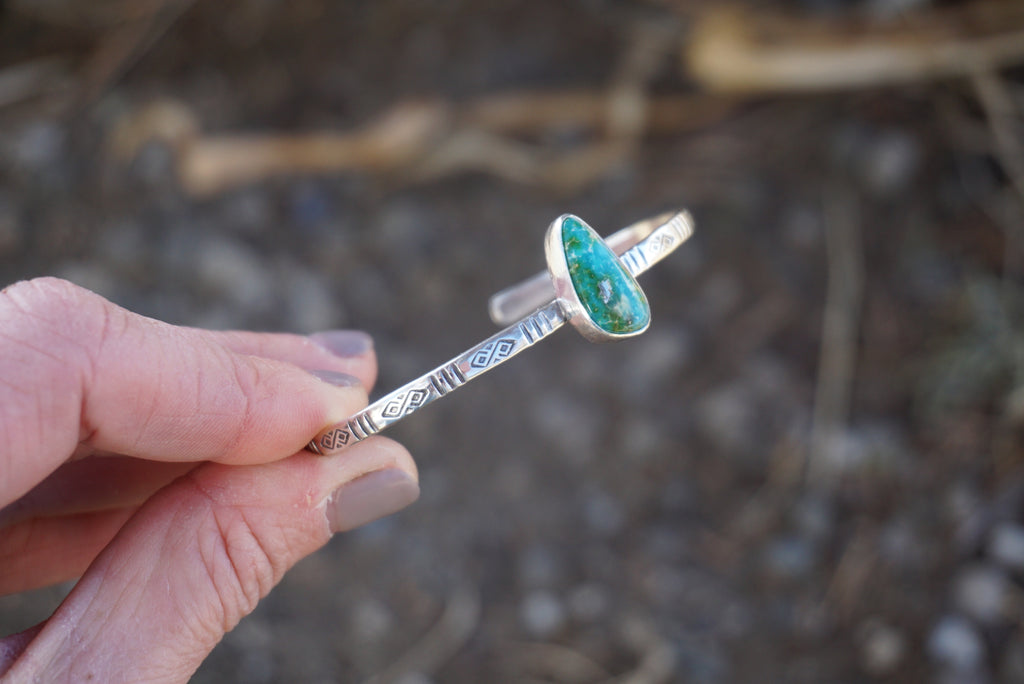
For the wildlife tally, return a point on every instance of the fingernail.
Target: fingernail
(335, 378)
(370, 497)
(344, 343)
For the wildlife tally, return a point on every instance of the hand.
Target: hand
(164, 466)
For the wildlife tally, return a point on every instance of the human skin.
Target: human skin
(164, 466)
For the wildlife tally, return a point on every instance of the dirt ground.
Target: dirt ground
(807, 470)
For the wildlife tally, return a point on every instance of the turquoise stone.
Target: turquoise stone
(609, 294)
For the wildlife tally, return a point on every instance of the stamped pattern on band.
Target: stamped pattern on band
(493, 353)
(335, 439)
(661, 243)
(405, 403)
(447, 379)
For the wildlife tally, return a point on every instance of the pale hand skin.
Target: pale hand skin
(165, 467)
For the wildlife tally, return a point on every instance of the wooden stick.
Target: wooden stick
(421, 140)
(532, 112)
(837, 362)
(733, 51)
(449, 634)
(213, 164)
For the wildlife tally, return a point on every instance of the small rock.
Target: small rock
(955, 643)
(1006, 546)
(371, 620)
(875, 448)
(883, 648)
(39, 145)
(884, 161)
(542, 614)
(889, 162)
(984, 593)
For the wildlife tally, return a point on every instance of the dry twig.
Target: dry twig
(735, 51)
(421, 140)
(28, 80)
(127, 42)
(852, 573)
(838, 360)
(657, 656)
(1004, 121)
(455, 626)
(556, 662)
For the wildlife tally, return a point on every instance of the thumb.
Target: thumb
(199, 556)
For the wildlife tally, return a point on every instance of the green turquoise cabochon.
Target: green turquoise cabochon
(610, 296)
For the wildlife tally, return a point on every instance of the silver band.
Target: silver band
(536, 313)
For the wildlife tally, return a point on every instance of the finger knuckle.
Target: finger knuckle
(48, 311)
(46, 297)
(45, 358)
(241, 565)
(242, 559)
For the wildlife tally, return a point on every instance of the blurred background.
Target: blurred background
(808, 469)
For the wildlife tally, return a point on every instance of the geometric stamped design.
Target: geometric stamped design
(404, 403)
(493, 353)
(660, 243)
(335, 439)
(446, 379)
